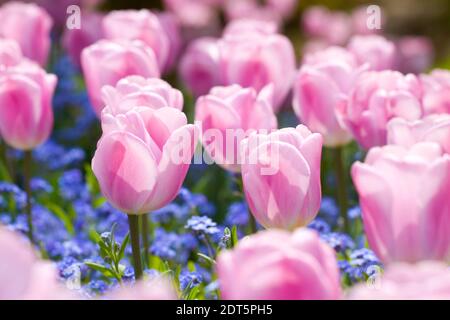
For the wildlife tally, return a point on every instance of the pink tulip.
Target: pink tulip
(375, 50)
(139, 25)
(106, 62)
(247, 59)
(323, 83)
(249, 26)
(143, 157)
(436, 91)
(26, 114)
(333, 27)
(22, 275)
(376, 98)
(194, 13)
(154, 289)
(404, 200)
(75, 40)
(171, 27)
(278, 265)
(281, 176)
(10, 53)
(234, 112)
(134, 91)
(414, 54)
(434, 128)
(199, 67)
(427, 280)
(30, 26)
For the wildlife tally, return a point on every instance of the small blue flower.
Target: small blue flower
(202, 225)
(340, 242)
(40, 185)
(354, 213)
(237, 214)
(319, 225)
(190, 279)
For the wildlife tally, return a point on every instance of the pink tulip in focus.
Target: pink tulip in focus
(427, 280)
(106, 62)
(278, 265)
(30, 26)
(404, 199)
(322, 84)
(234, 112)
(436, 91)
(434, 128)
(75, 40)
(143, 157)
(157, 288)
(375, 50)
(26, 114)
(134, 91)
(10, 53)
(376, 98)
(256, 59)
(23, 276)
(281, 176)
(139, 25)
(414, 54)
(199, 66)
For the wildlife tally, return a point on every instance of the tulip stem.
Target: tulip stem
(4, 158)
(341, 186)
(145, 239)
(133, 222)
(28, 158)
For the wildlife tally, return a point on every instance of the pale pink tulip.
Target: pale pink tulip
(436, 91)
(199, 66)
(233, 113)
(157, 288)
(427, 280)
(376, 98)
(75, 40)
(247, 58)
(278, 265)
(10, 53)
(30, 26)
(106, 62)
(374, 50)
(143, 157)
(137, 91)
(23, 276)
(322, 84)
(414, 54)
(434, 128)
(171, 27)
(141, 25)
(26, 114)
(281, 176)
(404, 199)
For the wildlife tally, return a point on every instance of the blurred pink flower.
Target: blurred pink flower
(436, 91)
(322, 84)
(278, 265)
(143, 157)
(157, 288)
(141, 25)
(106, 62)
(375, 50)
(404, 199)
(23, 276)
(281, 176)
(199, 66)
(30, 26)
(434, 128)
(427, 280)
(75, 40)
(237, 111)
(133, 91)
(10, 53)
(376, 98)
(26, 113)
(247, 58)
(414, 54)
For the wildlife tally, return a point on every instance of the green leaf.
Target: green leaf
(234, 237)
(123, 246)
(207, 258)
(102, 269)
(61, 214)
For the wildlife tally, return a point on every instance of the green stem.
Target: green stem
(133, 222)
(341, 189)
(5, 160)
(28, 158)
(145, 238)
(252, 222)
